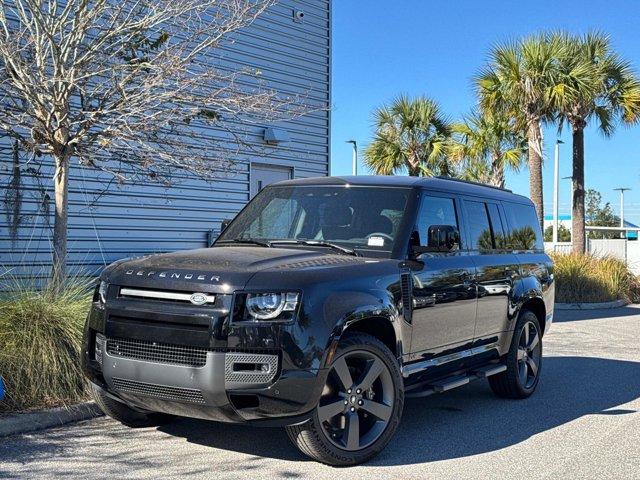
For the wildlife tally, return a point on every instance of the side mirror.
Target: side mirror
(443, 238)
(224, 224)
(212, 235)
(440, 238)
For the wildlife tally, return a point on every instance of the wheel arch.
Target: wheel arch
(378, 326)
(537, 306)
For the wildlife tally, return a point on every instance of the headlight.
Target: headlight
(270, 306)
(102, 292)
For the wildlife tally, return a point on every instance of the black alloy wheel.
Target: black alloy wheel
(360, 406)
(523, 361)
(357, 400)
(529, 354)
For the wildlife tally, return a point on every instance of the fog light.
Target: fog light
(100, 344)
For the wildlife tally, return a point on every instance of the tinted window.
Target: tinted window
(524, 232)
(499, 237)
(355, 217)
(479, 228)
(435, 211)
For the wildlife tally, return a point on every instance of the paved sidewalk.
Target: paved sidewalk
(582, 423)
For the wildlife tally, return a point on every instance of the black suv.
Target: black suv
(322, 306)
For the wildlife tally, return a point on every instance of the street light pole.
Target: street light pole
(622, 190)
(571, 202)
(354, 163)
(556, 188)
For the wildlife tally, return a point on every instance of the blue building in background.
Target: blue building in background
(290, 44)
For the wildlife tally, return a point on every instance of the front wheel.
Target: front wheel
(524, 360)
(360, 406)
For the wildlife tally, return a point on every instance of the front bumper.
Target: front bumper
(192, 362)
(218, 390)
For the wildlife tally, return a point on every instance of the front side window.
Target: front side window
(435, 211)
(351, 216)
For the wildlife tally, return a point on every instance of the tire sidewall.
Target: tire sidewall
(376, 347)
(525, 317)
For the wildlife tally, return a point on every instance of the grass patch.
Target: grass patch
(589, 279)
(40, 344)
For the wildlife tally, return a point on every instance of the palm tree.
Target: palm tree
(489, 138)
(595, 85)
(518, 82)
(411, 134)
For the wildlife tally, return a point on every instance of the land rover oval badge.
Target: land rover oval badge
(198, 298)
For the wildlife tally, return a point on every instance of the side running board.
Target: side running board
(489, 370)
(425, 389)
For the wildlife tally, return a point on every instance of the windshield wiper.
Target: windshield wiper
(318, 243)
(249, 241)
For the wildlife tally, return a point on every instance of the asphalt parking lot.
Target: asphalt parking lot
(583, 422)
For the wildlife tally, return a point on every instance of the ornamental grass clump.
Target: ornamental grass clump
(584, 278)
(40, 344)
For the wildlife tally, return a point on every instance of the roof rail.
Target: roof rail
(442, 177)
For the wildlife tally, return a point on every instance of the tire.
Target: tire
(344, 411)
(523, 361)
(126, 415)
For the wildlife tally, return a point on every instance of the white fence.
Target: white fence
(626, 250)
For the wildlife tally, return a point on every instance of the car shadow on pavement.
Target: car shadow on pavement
(464, 422)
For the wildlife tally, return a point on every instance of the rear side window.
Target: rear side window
(479, 227)
(499, 237)
(524, 232)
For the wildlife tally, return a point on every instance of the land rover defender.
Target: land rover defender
(323, 305)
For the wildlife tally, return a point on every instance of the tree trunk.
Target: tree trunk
(61, 189)
(414, 169)
(497, 170)
(534, 141)
(577, 214)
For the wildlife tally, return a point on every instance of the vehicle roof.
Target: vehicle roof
(431, 183)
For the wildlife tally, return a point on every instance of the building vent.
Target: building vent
(275, 136)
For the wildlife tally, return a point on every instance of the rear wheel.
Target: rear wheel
(124, 414)
(524, 360)
(360, 406)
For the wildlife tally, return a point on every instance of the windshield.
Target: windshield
(365, 218)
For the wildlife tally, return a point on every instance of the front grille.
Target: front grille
(165, 392)
(157, 352)
(195, 298)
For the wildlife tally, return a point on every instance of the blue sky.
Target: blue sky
(382, 48)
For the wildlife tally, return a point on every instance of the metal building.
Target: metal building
(291, 45)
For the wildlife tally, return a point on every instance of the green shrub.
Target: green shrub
(589, 279)
(40, 343)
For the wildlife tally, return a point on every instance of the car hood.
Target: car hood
(216, 269)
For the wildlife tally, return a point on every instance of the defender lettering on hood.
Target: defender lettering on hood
(174, 275)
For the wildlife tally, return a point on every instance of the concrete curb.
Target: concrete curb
(591, 306)
(39, 420)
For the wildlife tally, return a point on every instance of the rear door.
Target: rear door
(496, 267)
(444, 293)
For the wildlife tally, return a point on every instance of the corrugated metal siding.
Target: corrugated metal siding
(109, 221)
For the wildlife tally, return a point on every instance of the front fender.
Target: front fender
(347, 308)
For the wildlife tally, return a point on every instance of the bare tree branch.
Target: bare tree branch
(130, 86)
